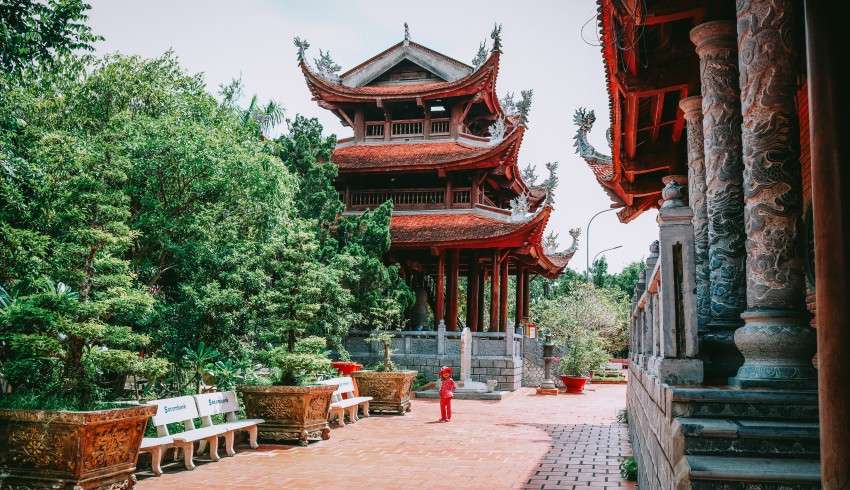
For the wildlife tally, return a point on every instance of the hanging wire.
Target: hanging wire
(581, 33)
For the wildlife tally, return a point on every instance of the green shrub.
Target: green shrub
(301, 367)
(585, 354)
(629, 469)
(312, 345)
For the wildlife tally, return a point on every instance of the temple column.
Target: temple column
(440, 289)
(526, 294)
(829, 125)
(776, 340)
(692, 107)
(474, 290)
(495, 275)
(454, 267)
(717, 50)
(520, 295)
(503, 296)
(482, 282)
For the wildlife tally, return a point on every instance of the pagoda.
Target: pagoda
(430, 135)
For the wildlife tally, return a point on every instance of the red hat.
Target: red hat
(445, 369)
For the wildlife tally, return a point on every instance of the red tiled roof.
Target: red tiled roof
(482, 80)
(428, 155)
(472, 229)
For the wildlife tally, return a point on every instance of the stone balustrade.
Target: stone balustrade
(664, 323)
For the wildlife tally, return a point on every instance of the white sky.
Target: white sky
(543, 49)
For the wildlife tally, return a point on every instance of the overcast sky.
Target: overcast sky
(549, 46)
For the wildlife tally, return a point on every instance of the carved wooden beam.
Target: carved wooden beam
(657, 109)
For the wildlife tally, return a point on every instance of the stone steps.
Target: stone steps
(750, 438)
(734, 473)
(750, 404)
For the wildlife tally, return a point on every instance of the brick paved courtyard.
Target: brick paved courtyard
(524, 441)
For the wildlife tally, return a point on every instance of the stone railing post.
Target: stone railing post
(651, 301)
(724, 196)
(441, 338)
(776, 340)
(639, 289)
(677, 363)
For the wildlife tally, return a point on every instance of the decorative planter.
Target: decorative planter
(71, 450)
(290, 412)
(575, 384)
(345, 368)
(390, 390)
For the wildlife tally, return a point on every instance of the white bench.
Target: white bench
(343, 400)
(179, 409)
(225, 403)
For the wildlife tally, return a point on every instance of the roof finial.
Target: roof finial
(496, 36)
(406, 33)
(302, 46)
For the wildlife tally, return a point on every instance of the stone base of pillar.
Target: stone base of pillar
(677, 371)
(721, 358)
(778, 346)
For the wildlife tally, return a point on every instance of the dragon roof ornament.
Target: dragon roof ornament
(584, 120)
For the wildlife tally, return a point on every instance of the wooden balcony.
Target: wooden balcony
(422, 198)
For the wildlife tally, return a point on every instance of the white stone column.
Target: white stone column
(678, 309)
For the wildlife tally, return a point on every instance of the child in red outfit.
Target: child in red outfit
(447, 392)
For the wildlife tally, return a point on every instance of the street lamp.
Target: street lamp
(587, 240)
(603, 251)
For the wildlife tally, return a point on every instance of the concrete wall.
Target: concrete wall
(421, 351)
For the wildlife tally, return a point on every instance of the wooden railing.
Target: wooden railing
(375, 130)
(406, 128)
(409, 198)
(439, 127)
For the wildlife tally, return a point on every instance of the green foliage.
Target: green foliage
(623, 416)
(585, 354)
(38, 32)
(629, 469)
(301, 366)
(585, 308)
(419, 381)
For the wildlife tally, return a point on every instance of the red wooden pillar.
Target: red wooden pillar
(503, 296)
(454, 266)
(495, 275)
(440, 293)
(474, 289)
(520, 294)
(526, 295)
(829, 104)
(482, 284)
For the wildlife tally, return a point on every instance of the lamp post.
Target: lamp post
(587, 240)
(547, 387)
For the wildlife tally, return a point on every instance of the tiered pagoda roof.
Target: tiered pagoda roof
(376, 85)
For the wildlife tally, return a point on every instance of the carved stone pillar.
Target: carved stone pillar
(692, 107)
(776, 340)
(651, 307)
(639, 318)
(716, 46)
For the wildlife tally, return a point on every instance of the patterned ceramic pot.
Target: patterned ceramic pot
(71, 450)
(390, 390)
(290, 412)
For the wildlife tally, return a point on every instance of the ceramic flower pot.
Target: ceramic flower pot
(290, 412)
(390, 390)
(575, 384)
(71, 450)
(345, 368)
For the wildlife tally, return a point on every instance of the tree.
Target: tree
(37, 33)
(585, 308)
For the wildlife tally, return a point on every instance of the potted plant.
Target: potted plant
(584, 354)
(292, 405)
(389, 387)
(65, 355)
(345, 366)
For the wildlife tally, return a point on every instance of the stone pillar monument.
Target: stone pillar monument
(465, 355)
(776, 341)
(692, 107)
(721, 106)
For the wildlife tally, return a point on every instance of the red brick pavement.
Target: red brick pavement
(524, 441)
